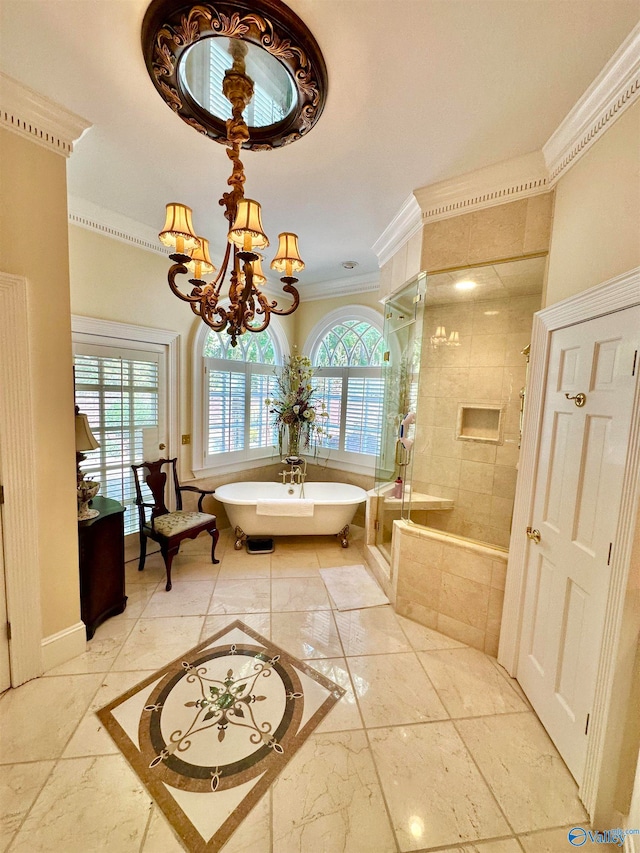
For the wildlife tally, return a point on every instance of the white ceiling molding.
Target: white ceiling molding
(400, 230)
(611, 93)
(43, 121)
(362, 283)
(510, 180)
(95, 218)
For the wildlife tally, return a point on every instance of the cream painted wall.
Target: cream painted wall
(33, 190)
(596, 222)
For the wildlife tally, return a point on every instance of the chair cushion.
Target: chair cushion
(176, 522)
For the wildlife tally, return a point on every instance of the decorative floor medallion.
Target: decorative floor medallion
(210, 732)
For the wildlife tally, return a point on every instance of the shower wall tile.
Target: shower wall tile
(498, 232)
(501, 510)
(420, 583)
(445, 243)
(460, 631)
(465, 600)
(423, 615)
(537, 233)
(445, 471)
(446, 413)
(488, 350)
(453, 381)
(504, 482)
(477, 476)
(485, 383)
(445, 444)
(467, 564)
(516, 342)
(479, 452)
(498, 574)
(507, 453)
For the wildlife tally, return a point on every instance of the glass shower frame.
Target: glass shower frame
(402, 332)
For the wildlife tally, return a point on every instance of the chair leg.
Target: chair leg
(167, 555)
(143, 551)
(215, 535)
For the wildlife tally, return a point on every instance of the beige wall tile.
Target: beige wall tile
(479, 452)
(513, 381)
(445, 471)
(465, 600)
(460, 631)
(446, 243)
(498, 232)
(498, 574)
(488, 350)
(452, 382)
(459, 356)
(491, 317)
(491, 643)
(419, 583)
(537, 234)
(429, 378)
(467, 564)
(417, 612)
(516, 342)
(476, 476)
(507, 453)
(445, 444)
(501, 512)
(504, 481)
(423, 550)
(499, 537)
(494, 613)
(446, 413)
(485, 383)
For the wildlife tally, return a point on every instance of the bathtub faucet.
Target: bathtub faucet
(298, 471)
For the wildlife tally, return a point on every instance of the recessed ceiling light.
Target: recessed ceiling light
(349, 265)
(465, 285)
(491, 313)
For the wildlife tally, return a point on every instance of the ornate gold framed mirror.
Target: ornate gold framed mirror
(188, 47)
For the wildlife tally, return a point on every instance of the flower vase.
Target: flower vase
(293, 449)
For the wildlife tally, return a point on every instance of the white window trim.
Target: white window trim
(357, 463)
(199, 394)
(112, 333)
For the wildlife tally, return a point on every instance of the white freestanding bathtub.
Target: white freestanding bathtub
(277, 509)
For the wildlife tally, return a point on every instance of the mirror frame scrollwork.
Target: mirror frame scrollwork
(172, 26)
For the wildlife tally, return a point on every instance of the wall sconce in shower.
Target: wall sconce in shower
(440, 338)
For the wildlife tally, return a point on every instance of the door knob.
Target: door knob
(161, 446)
(580, 399)
(534, 534)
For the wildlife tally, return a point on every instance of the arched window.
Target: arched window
(347, 350)
(236, 381)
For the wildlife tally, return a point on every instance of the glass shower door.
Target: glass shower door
(401, 371)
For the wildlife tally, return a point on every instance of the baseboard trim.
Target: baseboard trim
(61, 647)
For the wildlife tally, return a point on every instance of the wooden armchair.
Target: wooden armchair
(166, 528)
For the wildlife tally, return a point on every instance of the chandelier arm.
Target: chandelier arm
(288, 288)
(180, 269)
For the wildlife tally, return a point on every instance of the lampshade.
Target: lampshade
(454, 339)
(200, 263)
(85, 440)
(259, 278)
(288, 257)
(247, 232)
(178, 229)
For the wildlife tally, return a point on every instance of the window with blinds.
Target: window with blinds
(238, 381)
(120, 396)
(349, 380)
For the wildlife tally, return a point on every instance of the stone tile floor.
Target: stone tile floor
(432, 748)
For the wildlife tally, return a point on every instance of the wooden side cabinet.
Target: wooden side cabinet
(101, 541)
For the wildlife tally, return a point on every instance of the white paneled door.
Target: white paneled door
(593, 372)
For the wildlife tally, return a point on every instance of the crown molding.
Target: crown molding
(43, 121)
(91, 216)
(611, 93)
(404, 225)
(363, 283)
(503, 182)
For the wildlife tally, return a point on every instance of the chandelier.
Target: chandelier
(270, 31)
(249, 310)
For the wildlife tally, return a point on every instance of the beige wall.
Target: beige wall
(33, 244)
(596, 222)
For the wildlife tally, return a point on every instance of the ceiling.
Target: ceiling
(419, 91)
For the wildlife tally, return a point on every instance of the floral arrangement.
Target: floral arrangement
(297, 417)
